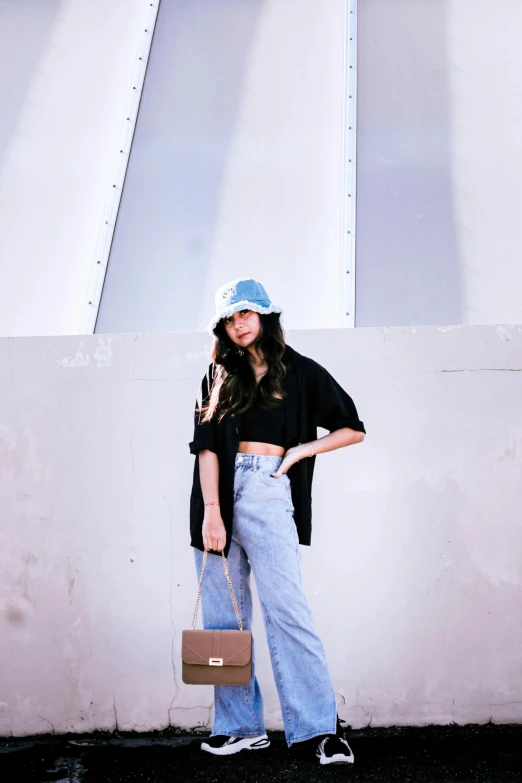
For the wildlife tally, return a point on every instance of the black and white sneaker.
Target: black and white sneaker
(334, 750)
(222, 745)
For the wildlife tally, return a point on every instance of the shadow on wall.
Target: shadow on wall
(25, 30)
(408, 269)
(189, 110)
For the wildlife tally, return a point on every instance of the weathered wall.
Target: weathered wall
(418, 601)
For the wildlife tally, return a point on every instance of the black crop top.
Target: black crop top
(264, 426)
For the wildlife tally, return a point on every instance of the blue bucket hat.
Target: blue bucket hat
(241, 294)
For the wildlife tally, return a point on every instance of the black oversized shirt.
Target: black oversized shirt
(314, 399)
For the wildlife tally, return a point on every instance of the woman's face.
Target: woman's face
(243, 327)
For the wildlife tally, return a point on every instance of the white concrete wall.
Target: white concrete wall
(417, 599)
(65, 79)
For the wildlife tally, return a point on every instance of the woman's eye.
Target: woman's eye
(229, 319)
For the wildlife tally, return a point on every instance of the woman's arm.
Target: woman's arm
(214, 534)
(334, 410)
(344, 436)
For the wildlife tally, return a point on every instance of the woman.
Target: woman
(255, 438)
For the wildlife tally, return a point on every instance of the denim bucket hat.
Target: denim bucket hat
(241, 294)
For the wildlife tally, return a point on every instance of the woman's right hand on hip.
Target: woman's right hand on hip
(214, 533)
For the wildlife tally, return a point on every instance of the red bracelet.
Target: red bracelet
(213, 503)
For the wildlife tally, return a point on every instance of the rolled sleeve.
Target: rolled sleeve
(333, 406)
(205, 435)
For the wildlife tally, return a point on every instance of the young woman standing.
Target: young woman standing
(255, 437)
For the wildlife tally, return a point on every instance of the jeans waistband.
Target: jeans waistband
(258, 461)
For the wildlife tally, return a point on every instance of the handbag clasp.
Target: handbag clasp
(215, 661)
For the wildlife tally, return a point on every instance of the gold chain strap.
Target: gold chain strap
(230, 587)
(232, 593)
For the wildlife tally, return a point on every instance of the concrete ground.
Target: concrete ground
(438, 754)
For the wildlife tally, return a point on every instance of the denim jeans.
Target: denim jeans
(265, 541)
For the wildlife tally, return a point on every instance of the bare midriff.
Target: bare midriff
(253, 447)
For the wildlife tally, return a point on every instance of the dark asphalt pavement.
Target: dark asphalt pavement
(436, 754)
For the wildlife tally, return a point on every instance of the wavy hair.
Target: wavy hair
(235, 388)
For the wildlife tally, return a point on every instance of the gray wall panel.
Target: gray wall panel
(408, 258)
(439, 162)
(236, 166)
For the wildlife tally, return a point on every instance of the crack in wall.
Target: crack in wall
(70, 580)
(115, 713)
(393, 372)
(47, 721)
(205, 725)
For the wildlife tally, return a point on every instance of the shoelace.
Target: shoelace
(343, 745)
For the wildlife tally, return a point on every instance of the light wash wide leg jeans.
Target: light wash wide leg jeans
(265, 541)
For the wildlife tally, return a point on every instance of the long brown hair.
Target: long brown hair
(235, 387)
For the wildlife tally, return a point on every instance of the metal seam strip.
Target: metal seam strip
(100, 261)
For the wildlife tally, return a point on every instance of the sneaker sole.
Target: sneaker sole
(337, 759)
(229, 750)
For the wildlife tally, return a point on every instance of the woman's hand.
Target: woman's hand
(290, 457)
(344, 436)
(214, 533)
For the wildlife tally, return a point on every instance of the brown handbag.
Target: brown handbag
(216, 657)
